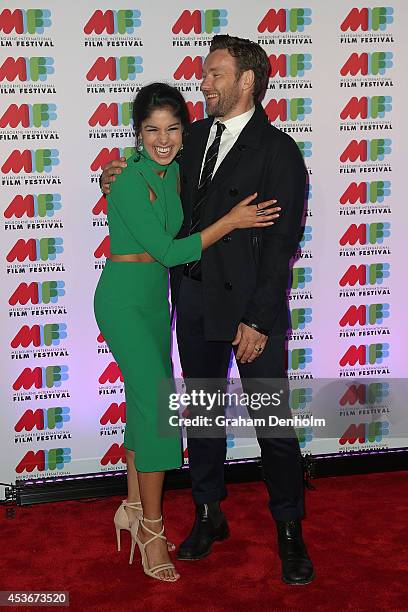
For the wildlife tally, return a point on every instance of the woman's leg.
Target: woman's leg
(132, 485)
(151, 488)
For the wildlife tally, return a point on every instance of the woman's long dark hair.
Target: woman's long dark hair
(155, 96)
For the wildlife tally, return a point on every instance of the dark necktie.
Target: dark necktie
(194, 268)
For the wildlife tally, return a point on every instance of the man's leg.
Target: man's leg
(201, 359)
(281, 459)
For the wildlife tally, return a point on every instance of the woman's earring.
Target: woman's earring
(139, 145)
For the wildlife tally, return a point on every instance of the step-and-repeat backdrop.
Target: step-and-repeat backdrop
(68, 74)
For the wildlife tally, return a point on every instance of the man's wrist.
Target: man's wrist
(255, 326)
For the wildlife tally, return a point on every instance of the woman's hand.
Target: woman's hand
(244, 215)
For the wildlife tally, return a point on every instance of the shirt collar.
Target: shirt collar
(236, 124)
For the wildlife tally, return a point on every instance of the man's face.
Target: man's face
(220, 85)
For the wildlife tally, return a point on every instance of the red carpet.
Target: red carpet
(356, 532)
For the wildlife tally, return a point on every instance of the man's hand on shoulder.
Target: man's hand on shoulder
(109, 173)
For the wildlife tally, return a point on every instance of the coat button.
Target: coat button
(228, 286)
(227, 238)
(233, 192)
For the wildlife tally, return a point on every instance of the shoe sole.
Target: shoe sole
(219, 539)
(300, 583)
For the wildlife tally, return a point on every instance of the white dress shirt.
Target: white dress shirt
(233, 128)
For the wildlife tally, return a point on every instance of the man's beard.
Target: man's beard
(224, 105)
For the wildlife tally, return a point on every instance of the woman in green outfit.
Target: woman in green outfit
(132, 310)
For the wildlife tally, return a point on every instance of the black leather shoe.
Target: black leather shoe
(210, 525)
(297, 567)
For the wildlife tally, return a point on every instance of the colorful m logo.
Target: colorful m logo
(371, 393)
(374, 63)
(366, 233)
(27, 68)
(48, 418)
(115, 412)
(49, 334)
(122, 21)
(294, 65)
(39, 160)
(196, 111)
(106, 155)
(365, 354)
(40, 378)
(373, 192)
(190, 67)
(367, 108)
(103, 250)
(116, 68)
(111, 374)
(365, 314)
(29, 115)
(366, 150)
(209, 21)
(25, 21)
(365, 274)
(36, 249)
(115, 113)
(42, 460)
(285, 109)
(377, 18)
(114, 454)
(38, 293)
(286, 20)
(374, 431)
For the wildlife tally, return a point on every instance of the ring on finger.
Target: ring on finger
(259, 349)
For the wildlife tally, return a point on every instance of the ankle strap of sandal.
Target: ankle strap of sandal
(137, 504)
(152, 520)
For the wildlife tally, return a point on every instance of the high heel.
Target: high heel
(121, 518)
(150, 571)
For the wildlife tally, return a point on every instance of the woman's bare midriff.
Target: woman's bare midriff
(133, 257)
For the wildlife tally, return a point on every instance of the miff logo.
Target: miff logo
(366, 233)
(114, 454)
(37, 160)
(299, 398)
(25, 21)
(190, 67)
(27, 68)
(36, 249)
(365, 393)
(305, 148)
(41, 378)
(111, 374)
(307, 236)
(38, 293)
(286, 20)
(196, 111)
(42, 460)
(367, 150)
(373, 107)
(377, 18)
(116, 68)
(40, 205)
(285, 109)
(47, 418)
(300, 317)
(300, 277)
(101, 207)
(106, 155)
(365, 274)
(374, 191)
(103, 250)
(374, 63)
(115, 412)
(299, 358)
(294, 65)
(122, 21)
(304, 435)
(116, 113)
(29, 115)
(365, 314)
(48, 334)
(209, 21)
(365, 354)
(374, 431)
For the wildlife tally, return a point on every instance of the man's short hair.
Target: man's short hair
(248, 56)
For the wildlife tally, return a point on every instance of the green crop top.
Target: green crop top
(137, 225)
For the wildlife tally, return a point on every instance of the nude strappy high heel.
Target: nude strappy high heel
(121, 518)
(153, 572)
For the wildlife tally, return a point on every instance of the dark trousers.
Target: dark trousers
(200, 358)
